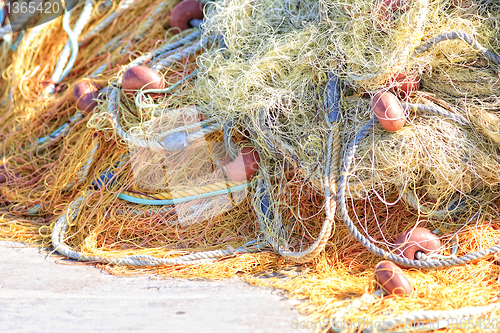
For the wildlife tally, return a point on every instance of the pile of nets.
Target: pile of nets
(143, 181)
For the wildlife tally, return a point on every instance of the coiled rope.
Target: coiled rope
(341, 199)
(59, 233)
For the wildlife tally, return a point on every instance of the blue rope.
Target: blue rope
(34, 210)
(63, 130)
(107, 178)
(196, 23)
(332, 103)
(19, 38)
(181, 200)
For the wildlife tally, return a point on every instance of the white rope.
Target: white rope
(187, 52)
(67, 49)
(121, 8)
(449, 35)
(59, 234)
(264, 205)
(173, 142)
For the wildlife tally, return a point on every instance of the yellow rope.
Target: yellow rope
(192, 191)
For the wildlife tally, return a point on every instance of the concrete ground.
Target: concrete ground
(39, 295)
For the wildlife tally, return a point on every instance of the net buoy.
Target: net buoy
(386, 8)
(244, 166)
(418, 239)
(141, 77)
(185, 12)
(84, 94)
(392, 279)
(405, 85)
(3, 174)
(389, 112)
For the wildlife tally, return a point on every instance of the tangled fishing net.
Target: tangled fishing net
(148, 181)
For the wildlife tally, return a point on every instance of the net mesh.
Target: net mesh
(263, 77)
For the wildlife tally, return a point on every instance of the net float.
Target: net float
(3, 174)
(462, 4)
(184, 12)
(392, 279)
(84, 94)
(389, 112)
(141, 77)
(9, 177)
(244, 166)
(387, 7)
(418, 239)
(405, 85)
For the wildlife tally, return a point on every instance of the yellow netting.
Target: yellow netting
(267, 85)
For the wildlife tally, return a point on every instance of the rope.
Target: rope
(155, 12)
(124, 6)
(83, 172)
(176, 45)
(17, 42)
(341, 198)
(157, 54)
(449, 35)
(191, 191)
(139, 98)
(438, 111)
(161, 52)
(332, 154)
(231, 148)
(61, 131)
(332, 99)
(64, 66)
(59, 233)
(173, 142)
(187, 52)
(179, 196)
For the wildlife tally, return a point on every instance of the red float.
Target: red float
(405, 85)
(84, 94)
(392, 279)
(389, 112)
(418, 239)
(141, 77)
(244, 166)
(185, 12)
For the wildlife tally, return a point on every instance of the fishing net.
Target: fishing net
(142, 184)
